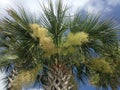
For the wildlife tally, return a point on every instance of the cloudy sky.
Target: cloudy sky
(106, 8)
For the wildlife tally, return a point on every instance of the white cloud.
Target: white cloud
(2, 80)
(87, 5)
(77, 4)
(113, 2)
(99, 7)
(33, 5)
(4, 3)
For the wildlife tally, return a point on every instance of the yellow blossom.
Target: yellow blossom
(25, 77)
(101, 65)
(66, 51)
(76, 39)
(46, 44)
(72, 40)
(38, 31)
(45, 41)
(94, 79)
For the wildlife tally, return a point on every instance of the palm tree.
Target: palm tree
(50, 48)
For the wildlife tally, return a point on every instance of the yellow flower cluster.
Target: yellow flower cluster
(94, 79)
(101, 65)
(48, 46)
(45, 41)
(38, 31)
(66, 51)
(76, 39)
(25, 77)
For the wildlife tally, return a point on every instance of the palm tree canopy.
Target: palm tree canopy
(86, 42)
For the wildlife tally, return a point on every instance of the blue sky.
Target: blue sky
(106, 8)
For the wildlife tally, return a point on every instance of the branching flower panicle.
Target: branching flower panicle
(25, 77)
(45, 41)
(38, 31)
(101, 65)
(94, 79)
(77, 38)
(73, 39)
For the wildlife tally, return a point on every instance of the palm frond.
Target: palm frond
(54, 19)
(18, 32)
(101, 32)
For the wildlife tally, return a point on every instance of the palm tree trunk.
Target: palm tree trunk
(11, 77)
(57, 78)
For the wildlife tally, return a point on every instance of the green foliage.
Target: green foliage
(20, 42)
(7, 59)
(54, 19)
